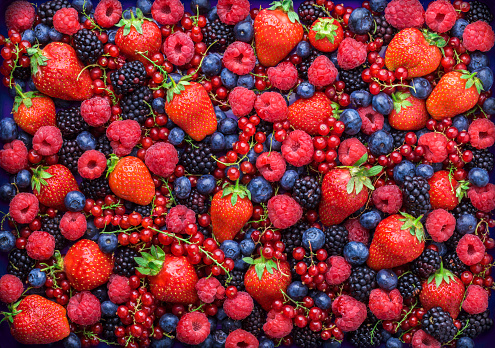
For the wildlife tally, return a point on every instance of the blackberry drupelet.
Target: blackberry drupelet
(478, 323)
(399, 137)
(144, 210)
(22, 73)
(20, 264)
(197, 159)
(478, 11)
(70, 122)
(452, 242)
(136, 106)
(52, 226)
(306, 63)
(69, 154)
(382, 29)
(335, 239)
(196, 202)
(426, 264)
(291, 236)
(439, 324)
(366, 336)
(47, 9)
(307, 192)
(409, 285)
(124, 263)
(306, 338)
(103, 145)
(465, 207)
(352, 79)
(95, 189)
(362, 280)
(220, 32)
(128, 78)
(308, 12)
(453, 263)
(237, 279)
(255, 321)
(109, 326)
(481, 158)
(264, 127)
(87, 46)
(416, 196)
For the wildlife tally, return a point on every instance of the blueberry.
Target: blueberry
(246, 81)
(26, 138)
(8, 130)
(378, 5)
(111, 36)
(382, 103)
(465, 342)
(297, 290)
(370, 219)
(203, 6)
(230, 140)
(393, 342)
(91, 230)
(182, 187)
(386, 279)
(403, 169)
(244, 31)
(489, 106)
(420, 88)
(127, 13)
(174, 76)
(176, 136)
(207, 343)
(322, 300)
(331, 343)
(261, 190)
(228, 126)
(158, 105)
(385, 335)
(303, 49)
(486, 77)
(217, 142)
(108, 242)
(23, 178)
(352, 121)
(356, 253)
(313, 239)
(165, 342)
(55, 36)
(229, 79)
(460, 122)
(360, 21)
(266, 343)
(478, 61)
(212, 65)
(206, 184)
(219, 114)
(219, 338)
(213, 323)
(36, 278)
(422, 131)
(360, 98)
(466, 223)
(252, 155)
(240, 265)
(289, 179)
(7, 241)
(83, 5)
(17, 83)
(7, 192)
(305, 90)
(72, 341)
(229, 325)
(108, 309)
(231, 249)
(442, 248)
(168, 322)
(478, 177)
(458, 28)
(247, 247)
(272, 144)
(75, 201)
(42, 32)
(86, 141)
(212, 14)
(425, 170)
(29, 36)
(380, 143)
(220, 314)
(145, 6)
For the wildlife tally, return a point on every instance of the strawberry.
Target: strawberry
(398, 239)
(33, 110)
(455, 93)
(231, 209)
(409, 112)
(445, 191)
(86, 266)
(58, 73)
(51, 185)
(416, 51)
(442, 289)
(37, 320)
(130, 179)
(277, 31)
(326, 34)
(308, 114)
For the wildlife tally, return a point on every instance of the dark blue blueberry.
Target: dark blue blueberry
(380, 143)
(305, 90)
(75, 201)
(72, 341)
(231, 249)
(246, 81)
(174, 76)
(83, 5)
(36, 278)
(8, 130)
(465, 342)
(370, 219)
(403, 169)
(442, 248)
(228, 126)
(378, 5)
(322, 300)
(303, 49)
(219, 338)
(217, 142)
(108, 309)
(422, 88)
(229, 79)
(486, 77)
(386, 279)
(7, 192)
(422, 131)
(220, 314)
(213, 323)
(478, 177)
(29, 36)
(272, 144)
(165, 342)
(289, 179)
(60, 103)
(168, 322)
(385, 335)
(478, 61)
(356, 253)
(393, 343)
(23, 178)
(26, 138)
(7, 241)
(182, 187)
(360, 21)
(313, 239)
(158, 105)
(86, 141)
(42, 32)
(212, 14)
(382, 103)
(229, 325)
(266, 343)
(127, 13)
(331, 343)
(206, 184)
(176, 136)
(458, 28)
(361, 98)
(230, 140)
(55, 36)
(207, 343)
(247, 247)
(460, 122)
(261, 190)
(212, 65)
(240, 265)
(244, 31)
(145, 6)
(31, 85)
(219, 114)
(466, 223)
(108, 242)
(17, 83)
(111, 36)
(352, 121)
(203, 6)
(333, 58)
(425, 170)
(489, 106)
(297, 290)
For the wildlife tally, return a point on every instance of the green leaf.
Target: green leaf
(362, 160)
(368, 184)
(359, 185)
(233, 199)
(259, 268)
(145, 271)
(469, 83)
(121, 23)
(248, 260)
(269, 268)
(140, 261)
(373, 171)
(272, 264)
(350, 186)
(153, 266)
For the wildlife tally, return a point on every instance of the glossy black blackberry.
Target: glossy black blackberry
(306, 63)
(109, 326)
(306, 338)
(426, 264)
(307, 192)
(439, 324)
(136, 106)
(352, 79)
(144, 210)
(87, 46)
(20, 264)
(52, 226)
(361, 281)
(308, 12)
(22, 73)
(128, 78)
(478, 11)
(465, 207)
(47, 9)
(416, 196)
(335, 239)
(481, 158)
(220, 32)
(453, 263)
(70, 122)
(197, 159)
(103, 145)
(255, 321)
(477, 324)
(69, 154)
(366, 336)
(236, 279)
(264, 127)
(196, 202)
(124, 263)
(399, 137)
(95, 189)
(382, 29)
(409, 285)
(101, 293)
(452, 242)
(291, 236)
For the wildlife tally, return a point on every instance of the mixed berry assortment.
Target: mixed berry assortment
(237, 177)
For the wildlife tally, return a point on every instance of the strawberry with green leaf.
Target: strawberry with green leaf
(445, 191)
(409, 112)
(33, 110)
(326, 34)
(51, 184)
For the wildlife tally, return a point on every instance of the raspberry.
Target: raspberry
(483, 198)
(339, 270)
(298, 148)
(403, 14)
(481, 133)
(209, 290)
(283, 211)
(161, 159)
(47, 140)
(271, 165)
(96, 111)
(241, 101)
(241, 339)
(322, 72)
(351, 54)
(108, 13)
(476, 300)
(271, 107)
(478, 36)
(66, 21)
(421, 339)
(24, 207)
(387, 199)
(167, 12)
(470, 249)
(20, 15)
(372, 121)
(73, 225)
(14, 157)
(283, 76)
(40, 245)
(349, 312)
(193, 328)
(11, 288)
(239, 57)
(123, 136)
(119, 290)
(179, 48)
(84, 309)
(350, 151)
(440, 224)
(179, 217)
(356, 232)
(385, 305)
(440, 16)
(92, 164)
(232, 11)
(277, 325)
(435, 145)
(239, 307)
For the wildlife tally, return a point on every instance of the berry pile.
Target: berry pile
(230, 176)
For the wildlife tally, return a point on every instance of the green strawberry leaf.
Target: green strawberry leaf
(350, 186)
(259, 268)
(359, 184)
(143, 270)
(373, 171)
(288, 7)
(368, 184)
(248, 260)
(233, 199)
(269, 268)
(140, 261)
(272, 264)
(362, 160)
(325, 29)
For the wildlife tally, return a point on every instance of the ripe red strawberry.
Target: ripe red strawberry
(445, 191)
(51, 185)
(409, 112)
(326, 34)
(398, 239)
(38, 320)
(308, 114)
(58, 73)
(33, 110)
(277, 31)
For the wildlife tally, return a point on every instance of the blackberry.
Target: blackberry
(237, 279)
(136, 106)
(20, 264)
(109, 326)
(477, 324)
(124, 263)
(70, 122)
(103, 145)
(481, 158)
(101, 293)
(452, 242)
(307, 192)
(439, 324)
(409, 285)
(47, 9)
(144, 210)
(399, 137)
(22, 73)
(52, 226)
(335, 239)
(363, 138)
(416, 196)
(196, 202)
(306, 338)
(255, 321)
(362, 280)
(465, 207)
(352, 79)
(129, 77)
(306, 63)
(264, 127)
(478, 11)
(453, 263)
(382, 29)
(69, 154)
(197, 159)
(291, 236)
(308, 12)
(87, 46)
(426, 264)
(95, 189)
(217, 31)
(366, 336)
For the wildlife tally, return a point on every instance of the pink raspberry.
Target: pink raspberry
(123, 136)
(161, 159)
(167, 12)
(241, 101)
(277, 325)
(11, 288)
(435, 145)
(96, 111)
(241, 339)
(440, 16)
(483, 198)
(403, 14)
(239, 57)
(372, 121)
(14, 157)
(478, 36)
(298, 148)
(283, 76)
(193, 328)
(66, 21)
(233, 11)
(470, 249)
(440, 224)
(91, 164)
(73, 225)
(47, 140)
(421, 339)
(271, 165)
(283, 211)
(338, 270)
(476, 300)
(481, 133)
(20, 15)
(40, 245)
(179, 48)
(271, 107)
(84, 308)
(239, 307)
(387, 198)
(108, 13)
(356, 232)
(322, 72)
(24, 207)
(350, 151)
(351, 53)
(178, 218)
(119, 290)
(385, 305)
(209, 290)
(349, 313)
